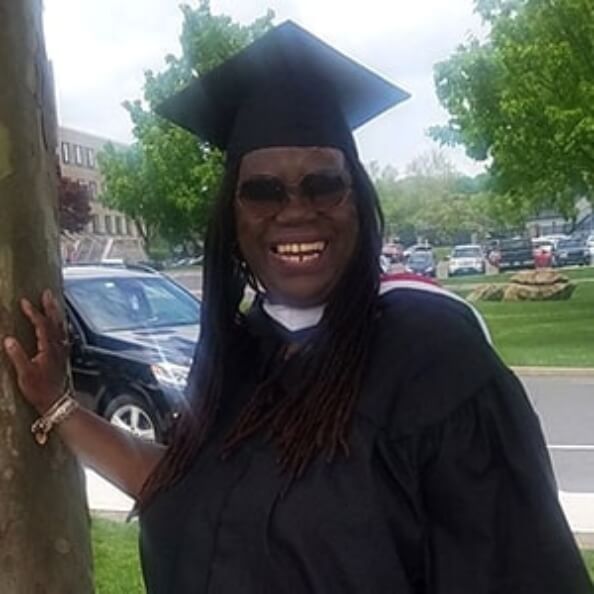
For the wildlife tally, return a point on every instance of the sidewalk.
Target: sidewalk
(580, 372)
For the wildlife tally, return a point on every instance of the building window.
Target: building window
(94, 223)
(90, 158)
(118, 223)
(130, 227)
(93, 189)
(78, 154)
(108, 225)
(66, 158)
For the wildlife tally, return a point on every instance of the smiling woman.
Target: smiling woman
(298, 243)
(345, 434)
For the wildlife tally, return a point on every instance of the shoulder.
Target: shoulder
(432, 352)
(418, 305)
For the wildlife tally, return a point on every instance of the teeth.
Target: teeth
(300, 248)
(299, 258)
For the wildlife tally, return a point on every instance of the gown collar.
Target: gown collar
(294, 319)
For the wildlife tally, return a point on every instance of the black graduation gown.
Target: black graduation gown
(448, 488)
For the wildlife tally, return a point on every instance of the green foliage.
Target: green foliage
(167, 180)
(524, 100)
(435, 202)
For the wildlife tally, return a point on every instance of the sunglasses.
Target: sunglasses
(267, 195)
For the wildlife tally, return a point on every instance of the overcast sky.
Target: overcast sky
(101, 49)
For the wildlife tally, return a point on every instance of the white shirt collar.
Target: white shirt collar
(293, 318)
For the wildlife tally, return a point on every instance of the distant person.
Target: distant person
(348, 434)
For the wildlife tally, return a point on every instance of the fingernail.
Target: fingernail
(9, 343)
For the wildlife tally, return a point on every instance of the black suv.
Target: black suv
(515, 253)
(133, 334)
(572, 251)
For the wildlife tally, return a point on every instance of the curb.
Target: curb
(122, 517)
(555, 371)
(585, 540)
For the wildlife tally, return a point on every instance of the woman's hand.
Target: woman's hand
(42, 379)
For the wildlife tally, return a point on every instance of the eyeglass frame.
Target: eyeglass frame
(295, 190)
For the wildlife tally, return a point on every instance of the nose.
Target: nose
(296, 209)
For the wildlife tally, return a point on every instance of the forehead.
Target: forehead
(290, 161)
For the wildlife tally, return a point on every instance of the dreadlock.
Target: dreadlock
(315, 417)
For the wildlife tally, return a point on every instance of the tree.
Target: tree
(44, 544)
(433, 201)
(74, 209)
(524, 100)
(167, 180)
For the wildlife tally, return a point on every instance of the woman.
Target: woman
(345, 435)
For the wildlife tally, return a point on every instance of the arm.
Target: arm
(118, 456)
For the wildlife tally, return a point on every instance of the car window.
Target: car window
(420, 257)
(467, 253)
(111, 304)
(515, 244)
(570, 243)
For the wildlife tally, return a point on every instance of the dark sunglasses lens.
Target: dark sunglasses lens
(262, 194)
(325, 190)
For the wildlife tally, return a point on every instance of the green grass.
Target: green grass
(117, 568)
(589, 559)
(554, 333)
(441, 252)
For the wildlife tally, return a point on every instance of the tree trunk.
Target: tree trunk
(44, 540)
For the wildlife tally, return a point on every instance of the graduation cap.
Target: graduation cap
(288, 88)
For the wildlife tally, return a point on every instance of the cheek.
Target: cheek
(247, 232)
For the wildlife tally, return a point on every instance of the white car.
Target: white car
(466, 259)
(553, 239)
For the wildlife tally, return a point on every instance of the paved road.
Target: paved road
(566, 409)
(190, 279)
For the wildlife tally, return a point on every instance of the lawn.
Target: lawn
(554, 333)
(117, 569)
(116, 558)
(589, 558)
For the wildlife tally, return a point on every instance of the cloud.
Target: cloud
(101, 49)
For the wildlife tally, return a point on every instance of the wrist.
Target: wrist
(59, 411)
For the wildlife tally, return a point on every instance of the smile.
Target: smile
(296, 253)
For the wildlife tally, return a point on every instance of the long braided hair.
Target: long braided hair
(315, 418)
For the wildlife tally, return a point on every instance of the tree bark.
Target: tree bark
(44, 540)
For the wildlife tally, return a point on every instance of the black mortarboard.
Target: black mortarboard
(288, 88)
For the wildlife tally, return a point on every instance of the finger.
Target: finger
(54, 314)
(39, 323)
(17, 356)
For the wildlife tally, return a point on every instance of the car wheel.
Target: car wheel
(131, 413)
